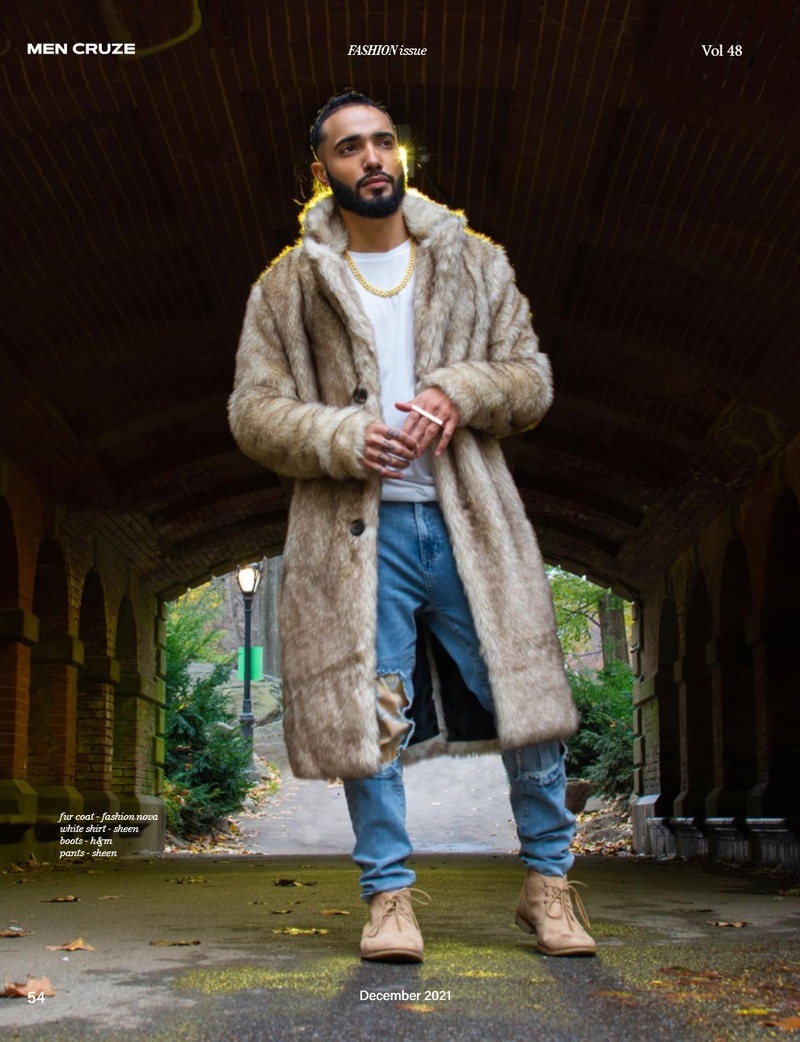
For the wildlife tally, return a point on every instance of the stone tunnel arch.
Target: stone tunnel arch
(9, 559)
(733, 691)
(668, 753)
(658, 713)
(126, 702)
(697, 760)
(53, 688)
(14, 656)
(95, 709)
(779, 747)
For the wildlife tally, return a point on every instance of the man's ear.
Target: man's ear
(318, 170)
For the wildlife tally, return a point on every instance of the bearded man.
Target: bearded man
(381, 360)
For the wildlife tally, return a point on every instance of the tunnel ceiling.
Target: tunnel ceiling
(647, 194)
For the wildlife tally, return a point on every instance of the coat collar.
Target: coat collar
(440, 235)
(427, 221)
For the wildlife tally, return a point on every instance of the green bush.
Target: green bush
(207, 760)
(602, 749)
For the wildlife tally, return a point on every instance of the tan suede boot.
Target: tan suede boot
(545, 909)
(392, 933)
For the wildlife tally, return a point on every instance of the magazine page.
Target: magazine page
(399, 519)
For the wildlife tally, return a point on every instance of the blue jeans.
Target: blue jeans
(417, 575)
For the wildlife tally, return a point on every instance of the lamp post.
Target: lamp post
(248, 577)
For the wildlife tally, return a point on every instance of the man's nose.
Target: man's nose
(372, 157)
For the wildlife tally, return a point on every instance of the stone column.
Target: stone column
(95, 733)
(52, 726)
(19, 631)
(657, 761)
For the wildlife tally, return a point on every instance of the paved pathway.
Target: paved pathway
(455, 805)
(268, 963)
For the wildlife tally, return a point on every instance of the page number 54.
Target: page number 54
(33, 997)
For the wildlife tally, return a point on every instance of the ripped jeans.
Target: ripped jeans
(417, 576)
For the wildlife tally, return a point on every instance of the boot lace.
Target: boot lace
(560, 902)
(399, 904)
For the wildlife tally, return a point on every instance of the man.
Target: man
(381, 359)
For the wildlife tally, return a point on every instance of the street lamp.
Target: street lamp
(248, 577)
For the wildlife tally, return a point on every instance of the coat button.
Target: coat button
(357, 527)
(360, 395)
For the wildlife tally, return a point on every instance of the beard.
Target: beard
(381, 206)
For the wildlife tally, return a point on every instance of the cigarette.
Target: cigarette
(428, 415)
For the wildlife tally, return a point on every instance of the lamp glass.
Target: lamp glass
(248, 577)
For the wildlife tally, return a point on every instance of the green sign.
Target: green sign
(256, 664)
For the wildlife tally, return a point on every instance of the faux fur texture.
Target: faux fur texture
(305, 348)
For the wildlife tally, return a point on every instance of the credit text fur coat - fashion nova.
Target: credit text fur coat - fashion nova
(307, 386)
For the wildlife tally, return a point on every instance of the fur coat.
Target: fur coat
(306, 388)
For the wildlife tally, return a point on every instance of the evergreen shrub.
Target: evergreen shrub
(602, 749)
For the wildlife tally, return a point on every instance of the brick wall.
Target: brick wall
(718, 637)
(81, 703)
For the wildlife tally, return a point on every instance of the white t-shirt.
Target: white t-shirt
(392, 320)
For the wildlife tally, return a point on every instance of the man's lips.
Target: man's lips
(373, 180)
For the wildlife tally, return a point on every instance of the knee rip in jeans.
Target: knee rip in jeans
(540, 765)
(392, 701)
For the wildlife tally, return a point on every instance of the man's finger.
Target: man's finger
(381, 438)
(431, 432)
(413, 427)
(448, 431)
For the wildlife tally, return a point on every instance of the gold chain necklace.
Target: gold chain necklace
(351, 264)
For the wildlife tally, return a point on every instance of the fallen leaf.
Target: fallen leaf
(174, 944)
(757, 1011)
(295, 930)
(721, 922)
(417, 1007)
(61, 900)
(692, 975)
(333, 911)
(15, 931)
(26, 866)
(279, 911)
(293, 882)
(77, 945)
(785, 1024)
(188, 879)
(110, 897)
(37, 985)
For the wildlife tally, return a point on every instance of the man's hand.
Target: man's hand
(387, 451)
(422, 429)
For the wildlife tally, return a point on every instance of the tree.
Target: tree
(194, 634)
(613, 632)
(589, 618)
(575, 600)
(592, 629)
(207, 760)
(602, 749)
